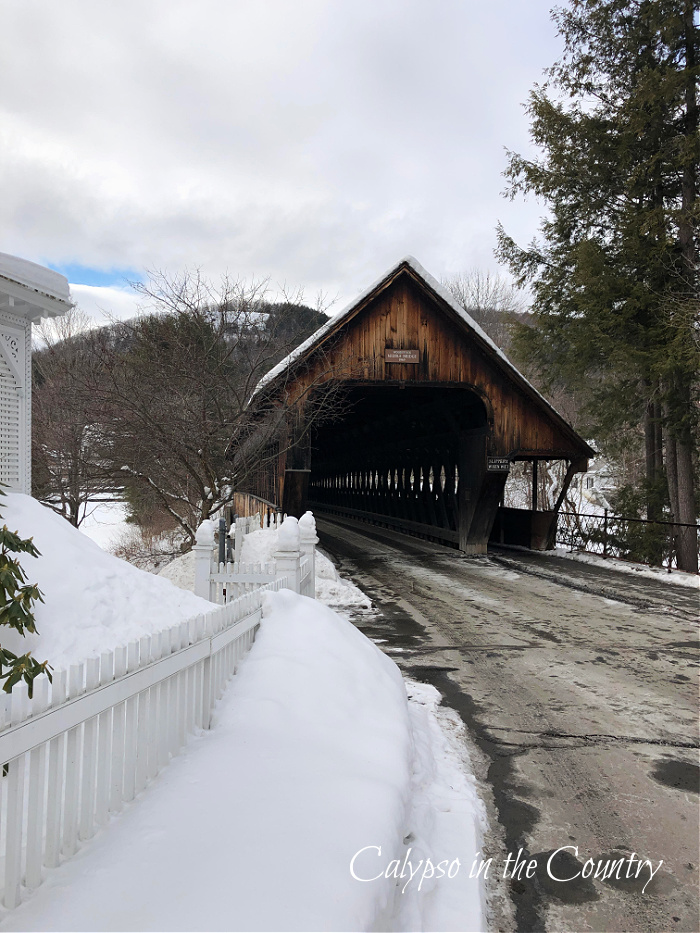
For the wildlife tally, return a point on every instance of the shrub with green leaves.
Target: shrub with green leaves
(17, 598)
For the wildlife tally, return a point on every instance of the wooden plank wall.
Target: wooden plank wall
(404, 317)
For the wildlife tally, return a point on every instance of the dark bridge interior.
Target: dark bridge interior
(404, 456)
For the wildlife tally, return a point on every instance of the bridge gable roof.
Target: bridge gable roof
(442, 300)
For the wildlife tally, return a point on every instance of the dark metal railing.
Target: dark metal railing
(634, 539)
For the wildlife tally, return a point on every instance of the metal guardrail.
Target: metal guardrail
(635, 539)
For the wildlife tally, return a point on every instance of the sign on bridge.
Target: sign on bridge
(497, 465)
(402, 356)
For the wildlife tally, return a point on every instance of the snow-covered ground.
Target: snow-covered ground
(679, 577)
(105, 523)
(93, 601)
(321, 799)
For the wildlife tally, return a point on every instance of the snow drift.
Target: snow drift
(92, 600)
(254, 826)
(314, 756)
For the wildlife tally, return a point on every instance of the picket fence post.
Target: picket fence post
(308, 541)
(202, 560)
(288, 553)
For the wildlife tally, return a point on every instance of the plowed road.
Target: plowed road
(579, 691)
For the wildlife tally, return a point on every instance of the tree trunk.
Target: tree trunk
(652, 454)
(672, 479)
(687, 537)
(690, 168)
(658, 441)
(679, 470)
(672, 475)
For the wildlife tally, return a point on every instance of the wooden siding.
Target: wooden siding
(404, 315)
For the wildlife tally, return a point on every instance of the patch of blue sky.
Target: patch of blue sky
(85, 275)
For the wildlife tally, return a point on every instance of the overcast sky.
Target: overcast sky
(312, 141)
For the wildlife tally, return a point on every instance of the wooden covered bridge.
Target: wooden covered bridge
(427, 416)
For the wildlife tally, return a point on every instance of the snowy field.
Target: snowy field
(329, 794)
(105, 524)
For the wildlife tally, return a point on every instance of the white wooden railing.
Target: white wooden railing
(92, 740)
(245, 524)
(295, 559)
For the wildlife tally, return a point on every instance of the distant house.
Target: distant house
(28, 292)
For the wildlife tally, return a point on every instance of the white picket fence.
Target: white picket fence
(93, 739)
(247, 523)
(90, 741)
(295, 560)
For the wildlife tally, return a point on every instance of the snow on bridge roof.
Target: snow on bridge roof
(337, 319)
(442, 293)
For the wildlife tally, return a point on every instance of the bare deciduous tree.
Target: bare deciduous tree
(68, 470)
(175, 390)
(490, 300)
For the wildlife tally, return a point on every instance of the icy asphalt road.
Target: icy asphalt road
(579, 689)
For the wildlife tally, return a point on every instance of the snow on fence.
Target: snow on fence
(295, 559)
(90, 741)
(95, 737)
(243, 526)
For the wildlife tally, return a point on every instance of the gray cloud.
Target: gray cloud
(315, 142)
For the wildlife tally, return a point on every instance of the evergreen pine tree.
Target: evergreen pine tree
(17, 598)
(615, 275)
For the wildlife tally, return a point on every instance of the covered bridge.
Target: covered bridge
(429, 414)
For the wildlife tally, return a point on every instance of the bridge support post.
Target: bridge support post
(484, 516)
(472, 469)
(296, 491)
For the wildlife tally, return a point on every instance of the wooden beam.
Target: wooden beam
(534, 485)
(571, 471)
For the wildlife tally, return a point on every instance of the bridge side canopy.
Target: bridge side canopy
(28, 293)
(407, 330)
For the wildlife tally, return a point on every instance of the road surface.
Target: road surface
(579, 691)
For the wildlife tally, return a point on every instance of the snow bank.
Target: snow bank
(447, 820)
(92, 600)
(254, 827)
(677, 577)
(331, 589)
(180, 571)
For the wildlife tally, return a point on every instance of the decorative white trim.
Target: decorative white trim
(16, 349)
(16, 320)
(12, 348)
(28, 408)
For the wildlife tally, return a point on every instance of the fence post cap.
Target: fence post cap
(289, 537)
(205, 532)
(307, 525)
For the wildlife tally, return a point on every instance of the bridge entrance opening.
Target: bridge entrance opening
(408, 457)
(435, 415)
